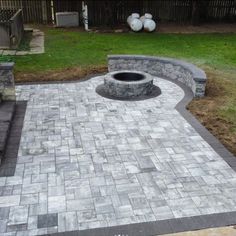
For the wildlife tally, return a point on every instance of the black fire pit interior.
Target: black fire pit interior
(128, 77)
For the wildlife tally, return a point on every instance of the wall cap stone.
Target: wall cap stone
(7, 83)
(198, 74)
(7, 65)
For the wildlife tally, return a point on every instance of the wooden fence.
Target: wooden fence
(116, 11)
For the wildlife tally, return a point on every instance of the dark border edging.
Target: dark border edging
(154, 228)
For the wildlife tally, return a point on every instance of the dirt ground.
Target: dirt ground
(68, 74)
(206, 110)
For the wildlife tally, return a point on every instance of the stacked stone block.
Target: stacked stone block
(7, 103)
(7, 84)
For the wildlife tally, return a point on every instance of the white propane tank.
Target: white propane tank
(85, 15)
(129, 19)
(136, 24)
(143, 18)
(149, 25)
(148, 16)
(135, 15)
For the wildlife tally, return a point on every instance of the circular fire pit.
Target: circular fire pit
(128, 84)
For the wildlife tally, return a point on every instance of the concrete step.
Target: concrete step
(7, 110)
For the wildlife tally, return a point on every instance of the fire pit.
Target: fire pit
(128, 84)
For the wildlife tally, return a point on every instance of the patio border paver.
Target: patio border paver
(160, 227)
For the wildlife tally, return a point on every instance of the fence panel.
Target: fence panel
(116, 12)
(219, 11)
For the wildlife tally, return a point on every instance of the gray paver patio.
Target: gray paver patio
(94, 162)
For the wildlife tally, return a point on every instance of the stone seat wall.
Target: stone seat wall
(7, 104)
(187, 73)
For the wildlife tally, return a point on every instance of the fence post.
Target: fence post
(44, 11)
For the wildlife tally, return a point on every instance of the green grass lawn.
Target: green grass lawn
(73, 48)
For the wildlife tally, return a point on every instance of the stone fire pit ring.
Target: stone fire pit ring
(128, 84)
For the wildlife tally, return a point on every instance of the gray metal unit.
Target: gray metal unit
(4, 36)
(11, 28)
(67, 19)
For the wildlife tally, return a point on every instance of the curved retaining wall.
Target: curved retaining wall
(187, 73)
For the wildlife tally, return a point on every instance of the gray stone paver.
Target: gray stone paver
(94, 162)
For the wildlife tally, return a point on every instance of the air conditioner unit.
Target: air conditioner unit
(67, 19)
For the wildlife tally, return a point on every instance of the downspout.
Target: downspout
(85, 15)
(52, 12)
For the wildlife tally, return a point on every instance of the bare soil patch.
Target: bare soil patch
(206, 110)
(68, 74)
